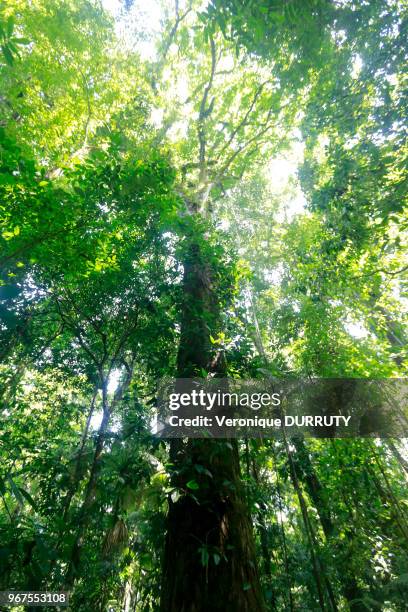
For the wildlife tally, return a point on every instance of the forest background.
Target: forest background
(199, 189)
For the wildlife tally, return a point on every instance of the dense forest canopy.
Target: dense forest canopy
(199, 189)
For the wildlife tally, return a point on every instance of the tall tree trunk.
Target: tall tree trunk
(349, 585)
(83, 517)
(76, 477)
(401, 460)
(316, 566)
(209, 558)
(308, 475)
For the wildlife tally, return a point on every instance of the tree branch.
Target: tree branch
(173, 31)
(205, 110)
(244, 121)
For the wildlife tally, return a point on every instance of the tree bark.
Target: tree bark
(209, 558)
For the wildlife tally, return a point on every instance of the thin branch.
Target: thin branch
(246, 144)
(78, 333)
(38, 240)
(88, 102)
(123, 339)
(173, 31)
(205, 110)
(244, 120)
(384, 271)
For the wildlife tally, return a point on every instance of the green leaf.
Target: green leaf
(28, 497)
(16, 490)
(21, 41)
(193, 484)
(205, 556)
(8, 56)
(10, 26)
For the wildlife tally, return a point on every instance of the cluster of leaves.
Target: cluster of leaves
(10, 44)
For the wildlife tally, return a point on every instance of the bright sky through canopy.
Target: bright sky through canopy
(281, 171)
